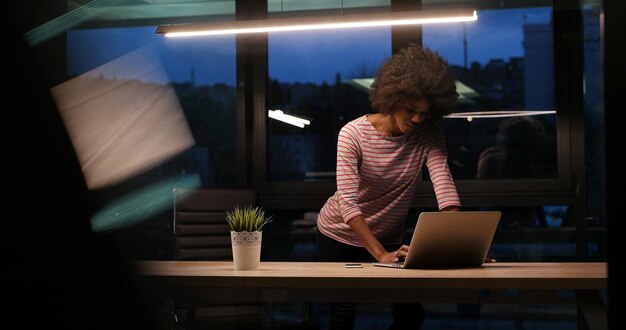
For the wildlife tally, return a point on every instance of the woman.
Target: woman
(379, 158)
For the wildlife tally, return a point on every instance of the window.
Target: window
(503, 62)
(506, 125)
(321, 76)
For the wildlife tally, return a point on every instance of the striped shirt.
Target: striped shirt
(377, 177)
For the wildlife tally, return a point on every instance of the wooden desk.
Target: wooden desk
(519, 282)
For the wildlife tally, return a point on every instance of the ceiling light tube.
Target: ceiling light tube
(317, 23)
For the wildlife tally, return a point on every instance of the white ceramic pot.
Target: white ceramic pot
(246, 249)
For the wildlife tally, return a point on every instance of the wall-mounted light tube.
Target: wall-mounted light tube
(317, 23)
(289, 119)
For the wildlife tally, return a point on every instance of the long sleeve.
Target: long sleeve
(437, 163)
(348, 159)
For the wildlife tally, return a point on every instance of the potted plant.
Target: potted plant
(246, 229)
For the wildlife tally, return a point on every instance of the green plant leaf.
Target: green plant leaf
(247, 218)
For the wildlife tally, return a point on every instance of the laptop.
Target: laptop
(449, 240)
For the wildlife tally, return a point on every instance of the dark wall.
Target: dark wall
(615, 105)
(61, 275)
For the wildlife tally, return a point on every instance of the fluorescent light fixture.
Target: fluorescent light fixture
(499, 114)
(289, 119)
(317, 23)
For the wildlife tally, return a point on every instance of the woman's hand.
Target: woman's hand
(402, 251)
(387, 257)
(488, 259)
(394, 255)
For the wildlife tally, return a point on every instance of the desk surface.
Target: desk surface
(319, 281)
(322, 275)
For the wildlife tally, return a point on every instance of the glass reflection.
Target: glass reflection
(521, 151)
(202, 76)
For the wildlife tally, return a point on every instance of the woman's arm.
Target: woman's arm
(348, 178)
(373, 246)
(441, 178)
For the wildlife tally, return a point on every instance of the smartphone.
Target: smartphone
(354, 266)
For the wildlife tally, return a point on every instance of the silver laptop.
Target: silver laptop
(450, 240)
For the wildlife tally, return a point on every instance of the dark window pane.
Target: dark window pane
(315, 76)
(505, 125)
(509, 148)
(594, 124)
